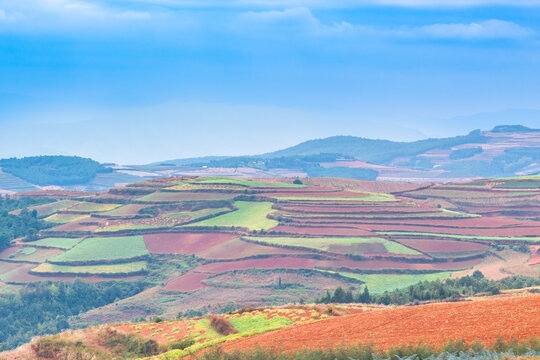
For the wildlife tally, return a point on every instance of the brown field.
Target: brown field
(321, 230)
(184, 243)
(440, 245)
(433, 324)
(238, 249)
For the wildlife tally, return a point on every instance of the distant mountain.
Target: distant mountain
(376, 151)
(506, 150)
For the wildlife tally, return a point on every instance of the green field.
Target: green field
(345, 245)
(51, 208)
(248, 183)
(379, 283)
(251, 215)
(125, 210)
(529, 184)
(85, 206)
(123, 269)
(197, 214)
(514, 238)
(247, 323)
(105, 249)
(59, 243)
(65, 218)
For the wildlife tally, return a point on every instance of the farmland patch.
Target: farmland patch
(251, 215)
(103, 250)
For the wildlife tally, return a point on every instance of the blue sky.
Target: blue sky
(135, 81)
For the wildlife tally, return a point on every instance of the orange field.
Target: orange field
(434, 324)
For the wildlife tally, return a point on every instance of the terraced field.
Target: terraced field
(106, 249)
(199, 237)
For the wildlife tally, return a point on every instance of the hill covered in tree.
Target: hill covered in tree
(53, 170)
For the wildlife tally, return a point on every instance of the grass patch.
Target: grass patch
(196, 214)
(49, 209)
(251, 215)
(528, 184)
(85, 206)
(453, 236)
(65, 218)
(111, 269)
(59, 243)
(106, 249)
(247, 323)
(348, 245)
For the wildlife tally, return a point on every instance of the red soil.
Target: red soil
(470, 222)
(356, 209)
(322, 230)
(238, 249)
(433, 324)
(439, 246)
(192, 280)
(332, 194)
(188, 282)
(509, 231)
(276, 262)
(184, 243)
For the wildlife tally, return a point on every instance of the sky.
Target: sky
(137, 81)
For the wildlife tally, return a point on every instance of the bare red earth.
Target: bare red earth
(433, 324)
(440, 245)
(184, 243)
(321, 230)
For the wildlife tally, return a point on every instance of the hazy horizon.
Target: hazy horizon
(137, 81)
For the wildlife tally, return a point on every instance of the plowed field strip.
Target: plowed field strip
(433, 324)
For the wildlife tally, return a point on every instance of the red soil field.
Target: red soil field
(332, 194)
(238, 249)
(433, 324)
(188, 282)
(365, 185)
(184, 243)
(19, 275)
(192, 280)
(509, 231)
(186, 196)
(356, 209)
(321, 230)
(439, 245)
(484, 222)
(275, 262)
(388, 263)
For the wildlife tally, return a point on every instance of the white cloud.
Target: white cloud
(490, 29)
(70, 10)
(339, 4)
(299, 18)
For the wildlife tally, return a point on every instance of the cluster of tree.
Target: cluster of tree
(465, 153)
(376, 151)
(308, 155)
(44, 308)
(25, 224)
(9, 203)
(506, 164)
(449, 289)
(53, 170)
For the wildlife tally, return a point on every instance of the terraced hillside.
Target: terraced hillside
(323, 331)
(207, 242)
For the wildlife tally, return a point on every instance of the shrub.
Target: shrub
(222, 325)
(182, 344)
